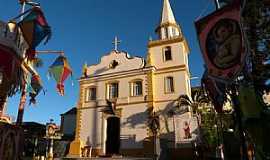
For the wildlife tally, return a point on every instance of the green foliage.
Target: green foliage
(256, 23)
(209, 128)
(198, 99)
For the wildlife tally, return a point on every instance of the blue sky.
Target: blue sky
(85, 29)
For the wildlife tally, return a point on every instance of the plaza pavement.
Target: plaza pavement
(103, 158)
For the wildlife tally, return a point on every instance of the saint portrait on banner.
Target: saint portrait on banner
(223, 44)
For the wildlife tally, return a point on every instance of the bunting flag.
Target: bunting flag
(221, 42)
(35, 29)
(34, 88)
(60, 70)
(216, 91)
(12, 73)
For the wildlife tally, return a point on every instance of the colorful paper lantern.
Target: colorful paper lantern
(60, 70)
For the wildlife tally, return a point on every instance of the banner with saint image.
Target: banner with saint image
(221, 42)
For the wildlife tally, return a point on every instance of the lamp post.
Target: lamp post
(50, 131)
(154, 127)
(12, 25)
(51, 134)
(1, 76)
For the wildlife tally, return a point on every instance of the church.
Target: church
(134, 85)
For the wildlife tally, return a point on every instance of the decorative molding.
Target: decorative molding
(115, 62)
(77, 144)
(168, 24)
(170, 41)
(165, 41)
(173, 67)
(116, 76)
(171, 71)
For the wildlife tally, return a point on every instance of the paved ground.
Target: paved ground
(103, 158)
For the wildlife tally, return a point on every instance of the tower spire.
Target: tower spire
(168, 27)
(167, 13)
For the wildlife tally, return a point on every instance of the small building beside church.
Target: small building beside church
(136, 84)
(68, 124)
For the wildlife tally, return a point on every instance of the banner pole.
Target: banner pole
(23, 8)
(217, 4)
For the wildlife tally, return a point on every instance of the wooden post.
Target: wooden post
(21, 107)
(3, 102)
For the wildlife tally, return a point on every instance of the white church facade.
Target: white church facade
(135, 85)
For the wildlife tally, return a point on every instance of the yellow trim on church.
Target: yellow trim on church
(77, 144)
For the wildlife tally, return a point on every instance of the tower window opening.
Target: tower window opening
(173, 32)
(167, 54)
(169, 85)
(166, 30)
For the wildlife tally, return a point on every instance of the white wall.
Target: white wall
(133, 121)
(177, 55)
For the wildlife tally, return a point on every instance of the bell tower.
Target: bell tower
(169, 56)
(168, 28)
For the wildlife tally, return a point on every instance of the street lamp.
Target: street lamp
(12, 25)
(50, 131)
(154, 126)
(1, 76)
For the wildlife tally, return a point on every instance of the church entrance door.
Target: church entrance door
(113, 136)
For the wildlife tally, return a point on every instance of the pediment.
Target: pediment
(114, 62)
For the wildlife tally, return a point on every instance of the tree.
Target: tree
(196, 102)
(256, 26)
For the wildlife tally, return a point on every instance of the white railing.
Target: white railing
(13, 40)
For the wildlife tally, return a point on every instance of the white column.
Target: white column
(163, 33)
(104, 134)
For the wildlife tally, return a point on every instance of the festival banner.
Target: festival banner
(221, 42)
(35, 29)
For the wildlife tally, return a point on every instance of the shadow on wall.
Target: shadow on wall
(137, 119)
(166, 113)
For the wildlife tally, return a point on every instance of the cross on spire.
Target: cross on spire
(116, 42)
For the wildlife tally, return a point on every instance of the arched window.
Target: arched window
(169, 84)
(167, 53)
